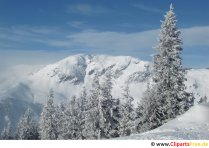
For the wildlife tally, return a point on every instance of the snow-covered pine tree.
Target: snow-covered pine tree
(65, 126)
(102, 115)
(110, 108)
(146, 117)
(128, 114)
(99, 116)
(60, 111)
(115, 118)
(96, 120)
(49, 120)
(71, 122)
(83, 107)
(6, 133)
(141, 118)
(169, 76)
(92, 119)
(27, 128)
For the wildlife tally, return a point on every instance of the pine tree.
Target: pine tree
(92, 121)
(168, 74)
(110, 108)
(96, 119)
(71, 124)
(115, 118)
(107, 104)
(128, 115)
(99, 122)
(82, 106)
(146, 117)
(65, 126)
(6, 133)
(27, 128)
(49, 120)
(60, 111)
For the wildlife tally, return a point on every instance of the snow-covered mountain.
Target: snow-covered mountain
(68, 76)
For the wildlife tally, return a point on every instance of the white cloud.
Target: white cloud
(113, 40)
(94, 39)
(76, 24)
(87, 9)
(103, 41)
(148, 8)
(29, 57)
(196, 36)
(18, 36)
(12, 75)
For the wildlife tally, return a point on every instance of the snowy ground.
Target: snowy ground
(193, 125)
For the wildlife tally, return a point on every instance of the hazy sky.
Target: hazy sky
(43, 31)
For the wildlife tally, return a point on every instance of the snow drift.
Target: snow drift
(193, 125)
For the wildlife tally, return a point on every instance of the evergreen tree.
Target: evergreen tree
(103, 113)
(115, 118)
(168, 75)
(6, 133)
(110, 108)
(60, 111)
(82, 106)
(97, 109)
(49, 120)
(27, 128)
(73, 122)
(96, 119)
(71, 125)
(146, 117)
(65, 126)
(128, 116)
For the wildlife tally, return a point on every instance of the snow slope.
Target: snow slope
(198, 82)
(193, 125)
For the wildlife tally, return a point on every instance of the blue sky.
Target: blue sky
(43, 31)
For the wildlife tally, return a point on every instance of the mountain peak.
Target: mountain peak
(67, 76)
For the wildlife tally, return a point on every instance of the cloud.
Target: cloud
(148, 8)
(196, 36)
(138, 44)
(12, 38)
(87, 9)
(12, 75)
(76, 24)
(93, 39)
(113, 40)
(10, 60)
(101, 40)
(18, 37)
